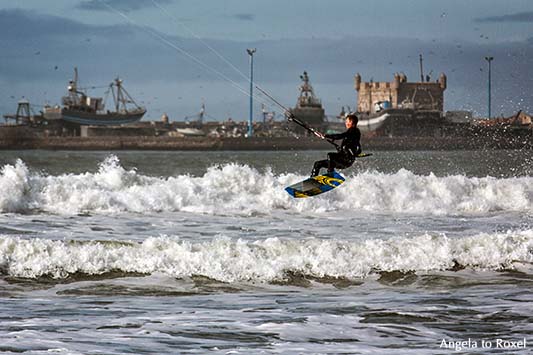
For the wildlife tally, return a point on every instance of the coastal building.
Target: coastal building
(399, 107)
(373, 97)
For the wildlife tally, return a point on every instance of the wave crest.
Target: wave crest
(235, 189)
(267, 260)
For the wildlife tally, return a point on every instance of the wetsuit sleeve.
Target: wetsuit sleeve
(337, 136)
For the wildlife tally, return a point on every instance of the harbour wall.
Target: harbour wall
(482, 141)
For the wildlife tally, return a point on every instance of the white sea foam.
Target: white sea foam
(234, 189)
(265, 260)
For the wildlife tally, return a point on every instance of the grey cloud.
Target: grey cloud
(34, 25)
(518, 17)
(45, 42)
(245, 17)
(121, 5)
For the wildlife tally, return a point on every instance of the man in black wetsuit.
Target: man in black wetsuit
(349, 149)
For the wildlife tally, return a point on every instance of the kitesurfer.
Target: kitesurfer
(348, 150)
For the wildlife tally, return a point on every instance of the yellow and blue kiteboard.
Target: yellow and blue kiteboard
(315, 185)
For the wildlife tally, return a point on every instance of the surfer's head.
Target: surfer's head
(351, 121)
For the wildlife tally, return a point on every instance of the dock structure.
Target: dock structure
(24, 113)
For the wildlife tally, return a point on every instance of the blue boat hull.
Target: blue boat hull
(104, 119)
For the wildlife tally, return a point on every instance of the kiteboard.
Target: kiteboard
(315, 185)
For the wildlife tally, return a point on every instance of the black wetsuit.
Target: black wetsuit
(344, 158)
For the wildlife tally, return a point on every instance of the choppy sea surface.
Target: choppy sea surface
(422, 252)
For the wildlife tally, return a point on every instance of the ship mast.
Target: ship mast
(121, 97)
(307, 95)
(72, 88)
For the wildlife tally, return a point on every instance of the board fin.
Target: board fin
(363, 155)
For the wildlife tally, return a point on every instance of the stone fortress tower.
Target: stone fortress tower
(399, 94)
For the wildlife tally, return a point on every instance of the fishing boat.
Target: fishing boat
(82, 109)
(374, 121)
(308, 107)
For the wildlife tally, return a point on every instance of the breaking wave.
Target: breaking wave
(243, 190)
(268, 260)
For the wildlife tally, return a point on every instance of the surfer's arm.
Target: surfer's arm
(336, 136)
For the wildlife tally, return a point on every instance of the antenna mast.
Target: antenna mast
(421, 70)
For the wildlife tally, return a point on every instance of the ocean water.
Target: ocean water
(423, 252)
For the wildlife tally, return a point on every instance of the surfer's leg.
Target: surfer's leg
(319, 165)
(333, 161)
(338, 161)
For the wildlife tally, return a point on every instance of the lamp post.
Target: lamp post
(250, 122)
(489, 60)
